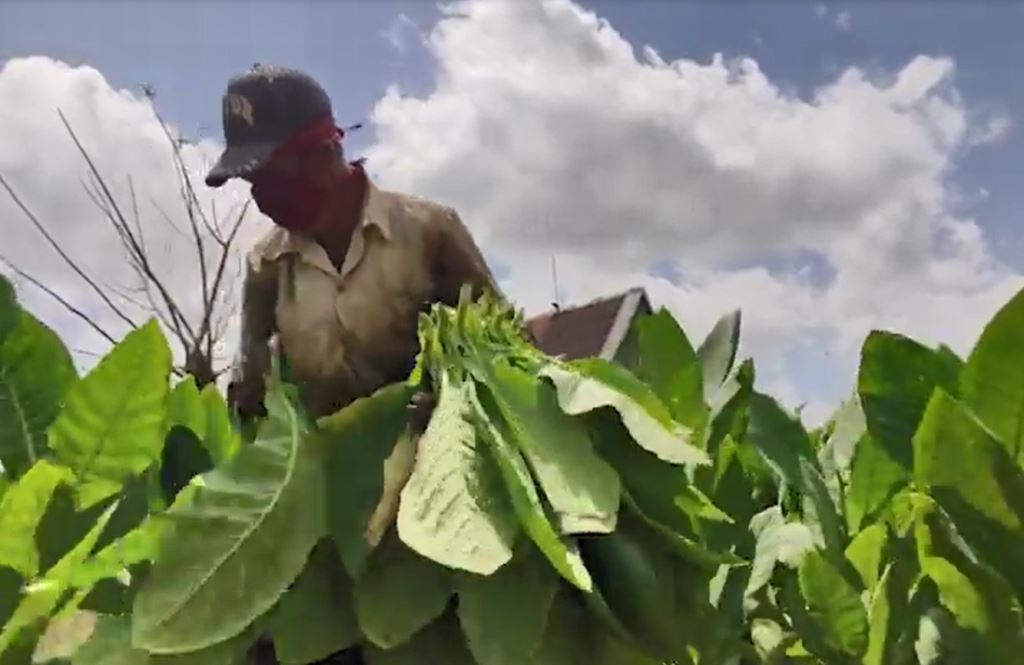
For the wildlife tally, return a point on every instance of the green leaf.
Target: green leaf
(890, 616)
(439, 643)
(185, 407)
(971, 475)
(63, 525)
(993, 381)
(661, 494)
(940, 641)
(769, 638)
(780, 438)
(111, 644)
(399, 594)
(582, 489)
(585, 385)
(717, 353)
(778, 541)
(834, 605)
(633, 573)
(137, 546)
(112, 425)
(657, 351)
(11, 584)
(237, 538)
(523, 494)
(953, 450)
(183, 457)
(221, 439)
(454, 509)
(315, 617)
(504, 615)
(879, 615)
(836, 456)
(132, 509)
(973, 607)
(9, 310)
(896, 379)
(22, 510)
(356, 442)
(865, 552)
(819, 513)
(36, 373)
(563, 642)
(874, 479)
(975, 595)
(44, 594)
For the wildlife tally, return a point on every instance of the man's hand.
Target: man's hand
(246, 397)
(421, 408)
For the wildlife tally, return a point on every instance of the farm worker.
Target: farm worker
(339, 283)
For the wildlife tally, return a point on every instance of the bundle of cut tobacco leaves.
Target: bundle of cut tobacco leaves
(545, 515)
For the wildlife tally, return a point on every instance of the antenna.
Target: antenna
(557, 303)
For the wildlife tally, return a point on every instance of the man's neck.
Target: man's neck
(346, 216)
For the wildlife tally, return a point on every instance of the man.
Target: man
(341, 281)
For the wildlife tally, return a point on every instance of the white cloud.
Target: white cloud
(541, 110)
(842, 19)
(39, 160)
(398, 33)
(995, 129)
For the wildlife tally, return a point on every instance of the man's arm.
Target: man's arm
(259, 296)
(459, 261)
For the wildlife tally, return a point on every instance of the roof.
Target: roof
(594, 329)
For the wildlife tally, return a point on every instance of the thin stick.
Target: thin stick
(67, 259)
(165, 295)
(56, 296)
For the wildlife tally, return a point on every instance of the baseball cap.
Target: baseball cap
(262, 109)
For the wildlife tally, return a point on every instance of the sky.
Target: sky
(828, 169)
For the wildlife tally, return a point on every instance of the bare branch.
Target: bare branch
(167, 218)
(135, 214)
(208, 305)
(56, 296)
(67, 259)
(189, 193)
(172, 307)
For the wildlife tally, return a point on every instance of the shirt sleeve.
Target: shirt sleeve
(459, 261)
(259, 295)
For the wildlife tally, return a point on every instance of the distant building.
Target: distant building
(594, 329)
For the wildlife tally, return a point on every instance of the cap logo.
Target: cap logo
(239, 105)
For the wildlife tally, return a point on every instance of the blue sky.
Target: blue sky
(189, 49)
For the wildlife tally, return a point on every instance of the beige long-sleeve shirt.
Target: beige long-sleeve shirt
(347, 332)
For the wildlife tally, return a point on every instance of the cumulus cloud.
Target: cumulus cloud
(842, 19)
(707, 183)
(993, 130)
(400, 31)
(120, 131)
(554, 135)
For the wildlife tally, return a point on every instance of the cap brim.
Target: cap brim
(238, 161)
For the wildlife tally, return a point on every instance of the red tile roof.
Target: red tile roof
(583, 331)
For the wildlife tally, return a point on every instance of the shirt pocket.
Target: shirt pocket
(306, 318)
(383, 302)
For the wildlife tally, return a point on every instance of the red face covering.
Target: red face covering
(293, 201)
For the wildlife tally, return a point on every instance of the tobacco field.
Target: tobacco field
(658, 509)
